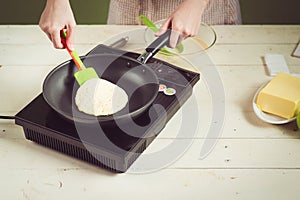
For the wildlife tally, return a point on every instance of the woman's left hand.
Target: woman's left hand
(184, 21)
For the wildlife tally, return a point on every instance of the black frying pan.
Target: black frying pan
(137, 79)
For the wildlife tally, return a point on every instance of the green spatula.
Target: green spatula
(84, 73)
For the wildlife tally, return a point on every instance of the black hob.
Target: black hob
(114, 146)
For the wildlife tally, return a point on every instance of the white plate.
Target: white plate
(266, 117)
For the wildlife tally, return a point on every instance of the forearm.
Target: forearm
(54, 5)
(58, 15)
(57, 1)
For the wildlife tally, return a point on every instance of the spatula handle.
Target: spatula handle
(72, 53)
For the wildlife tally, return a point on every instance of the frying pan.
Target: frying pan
(134, 76)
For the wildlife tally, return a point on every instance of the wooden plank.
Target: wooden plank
(243, 34)
(229, 153)
(239, 97)
(237, 125)
(14, 43)
(36, 54)
(20, 81)
(249, 79)
(257, 34)
(231, 75)
(84, 34)
(245, 153)
(250, 54)
(230, 55)
(62, 183)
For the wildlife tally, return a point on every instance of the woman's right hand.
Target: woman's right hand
(56, 16)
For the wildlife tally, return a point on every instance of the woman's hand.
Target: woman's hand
(184, 21)
(56, 16)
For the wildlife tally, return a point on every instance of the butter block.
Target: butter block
(281, 96)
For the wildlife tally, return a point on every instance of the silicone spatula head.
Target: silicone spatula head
(83, 73)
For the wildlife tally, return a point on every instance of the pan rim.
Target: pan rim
(91, 118)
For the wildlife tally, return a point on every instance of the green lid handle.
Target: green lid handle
(148, 23)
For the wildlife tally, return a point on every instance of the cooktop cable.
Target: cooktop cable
(7, 117)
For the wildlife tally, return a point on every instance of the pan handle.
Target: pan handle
(155, 46)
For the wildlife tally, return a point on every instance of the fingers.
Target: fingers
(53, 34)
(56, 40)
(163, 28)
(70, 36)
(176, 38)
(180, 39)
(179, 33)
(52, 22)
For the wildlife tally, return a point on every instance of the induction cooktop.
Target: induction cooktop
(114, 147)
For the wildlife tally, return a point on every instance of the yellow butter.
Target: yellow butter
(281, 96)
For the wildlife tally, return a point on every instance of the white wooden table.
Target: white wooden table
(251, 160)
